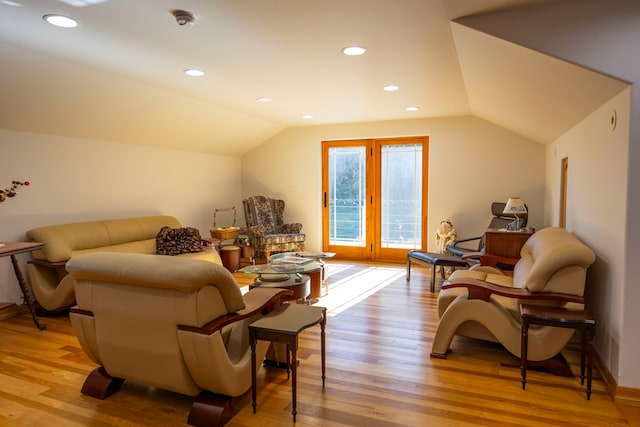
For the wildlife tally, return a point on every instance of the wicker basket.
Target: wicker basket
(224, 233)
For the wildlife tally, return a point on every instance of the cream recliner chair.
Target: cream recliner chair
(174, 323)
(484, 303)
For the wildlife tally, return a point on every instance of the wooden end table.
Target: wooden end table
(283, 326)
(505, 243)
(560, 317)
(11, 249)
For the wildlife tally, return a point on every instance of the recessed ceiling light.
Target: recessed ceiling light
(82, 3)
(60, 21)
(391, 88)
(264, 99)
(354, 50)
(307, 116)
(412, 108)
(194, 72)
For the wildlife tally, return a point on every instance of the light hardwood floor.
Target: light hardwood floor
(379, 373)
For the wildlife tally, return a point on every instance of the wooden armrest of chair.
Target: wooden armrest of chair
(256, 301)
(45, 263)
(479, 289)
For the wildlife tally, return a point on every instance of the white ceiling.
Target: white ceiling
(118, 75)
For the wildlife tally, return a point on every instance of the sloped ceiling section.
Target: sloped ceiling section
(118, 76)
(78, 101)
(528, 92)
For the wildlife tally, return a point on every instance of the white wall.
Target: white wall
(76, 180)
(471, 163)
(602, 36)
(596, 213)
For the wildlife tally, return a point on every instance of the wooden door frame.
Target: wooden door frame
(386, 254)
(371, 250)
(564, 176)
(356, 252)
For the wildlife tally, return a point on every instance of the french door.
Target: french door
(374, 197)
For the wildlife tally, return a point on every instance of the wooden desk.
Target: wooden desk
(12, 249)
(505, 243)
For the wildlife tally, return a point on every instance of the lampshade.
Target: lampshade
(515, 206)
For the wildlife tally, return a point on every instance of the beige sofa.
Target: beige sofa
(483, 302)
(169, 322)
(51, 286)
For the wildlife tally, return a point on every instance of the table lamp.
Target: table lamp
(515, 206)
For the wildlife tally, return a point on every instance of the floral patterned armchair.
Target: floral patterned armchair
(266, 229)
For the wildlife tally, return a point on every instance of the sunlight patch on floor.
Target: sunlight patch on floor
(350, 290)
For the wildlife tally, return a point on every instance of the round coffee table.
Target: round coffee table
(287, 276)
(317, 274)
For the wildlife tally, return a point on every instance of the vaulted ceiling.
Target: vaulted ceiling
(118, 76)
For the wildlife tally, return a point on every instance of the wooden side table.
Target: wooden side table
(505, 243)
(560, 317)
(11, 249)
(283, 326)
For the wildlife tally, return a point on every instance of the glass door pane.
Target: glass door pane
(401, 196)
(347, 196)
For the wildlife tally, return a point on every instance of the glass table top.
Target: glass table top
(305, 254)
(289, 263)
(280, 268)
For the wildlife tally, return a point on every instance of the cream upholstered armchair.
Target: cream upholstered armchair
(484, 303)
(174, 323)
(266, 228)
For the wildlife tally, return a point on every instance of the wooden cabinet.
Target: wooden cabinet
(505, 243)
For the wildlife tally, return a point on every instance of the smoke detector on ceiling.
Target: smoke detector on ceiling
(183, 17)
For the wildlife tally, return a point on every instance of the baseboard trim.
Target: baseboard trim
(8, 310)
(627, 396)
(621, 395)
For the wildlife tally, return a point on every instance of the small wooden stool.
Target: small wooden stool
(559, 317)
(284, 325)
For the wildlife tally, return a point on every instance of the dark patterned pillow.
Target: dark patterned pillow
(176, 241)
